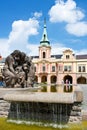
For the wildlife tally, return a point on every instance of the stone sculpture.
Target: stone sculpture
(18, 70)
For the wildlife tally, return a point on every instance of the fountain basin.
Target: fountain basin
(48, 107)
(40, 97)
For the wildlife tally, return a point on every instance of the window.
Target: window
(44, 69)
(35, 68)
(44, 55)
(67, 56)
(53, 68)
(67, 68)
(60, 68)
(81, 68)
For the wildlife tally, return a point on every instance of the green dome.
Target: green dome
(44, 41)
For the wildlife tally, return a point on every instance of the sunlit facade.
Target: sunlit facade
(56, 68)
(59, 68)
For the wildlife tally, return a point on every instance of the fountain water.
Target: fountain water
(47, 113)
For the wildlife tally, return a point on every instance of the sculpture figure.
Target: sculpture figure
(17, 71)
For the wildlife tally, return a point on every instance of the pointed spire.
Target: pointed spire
(44, 40)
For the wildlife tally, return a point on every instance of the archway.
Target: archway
(69, 78)
(81, 80)
(44, 79)
(68, 87)
(53, 79)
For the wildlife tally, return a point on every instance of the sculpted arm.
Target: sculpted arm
(9, 63)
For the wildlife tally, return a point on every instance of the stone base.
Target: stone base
(4, 108)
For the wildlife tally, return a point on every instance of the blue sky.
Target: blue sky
(21, 25)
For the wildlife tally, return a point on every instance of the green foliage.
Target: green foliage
(4, 125)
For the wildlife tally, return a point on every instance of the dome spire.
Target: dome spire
(44, 40)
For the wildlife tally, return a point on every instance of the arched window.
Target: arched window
(44, 55)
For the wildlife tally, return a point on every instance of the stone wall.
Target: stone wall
(76, 113)
(4, 108)
(84, 115)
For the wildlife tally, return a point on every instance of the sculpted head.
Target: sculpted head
(16, 54)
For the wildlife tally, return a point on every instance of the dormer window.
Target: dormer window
(44, 55)
(67, 56)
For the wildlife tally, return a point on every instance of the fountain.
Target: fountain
(29, 105)
(52, 109)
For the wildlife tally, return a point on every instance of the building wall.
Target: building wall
(65, 67)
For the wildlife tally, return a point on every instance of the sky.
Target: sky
(22, 22)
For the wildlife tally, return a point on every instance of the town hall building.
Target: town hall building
(59, 68)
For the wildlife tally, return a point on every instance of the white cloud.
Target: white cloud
(37, 14)
(33, 49)
(69, 13)
(57, 48)
(77, 29)
(4, 47)
(19, 36)
(65, 12)
(81, 52)
(21, 30)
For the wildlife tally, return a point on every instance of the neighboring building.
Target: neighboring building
(57, 68)
(2, 62)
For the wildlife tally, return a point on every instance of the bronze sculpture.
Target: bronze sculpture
(18, 70)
